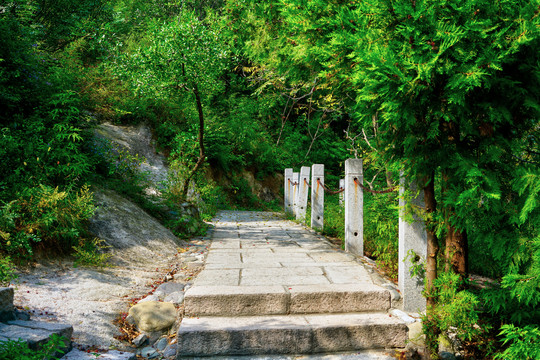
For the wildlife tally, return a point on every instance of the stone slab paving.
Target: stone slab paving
(259, 263)
(271, 286)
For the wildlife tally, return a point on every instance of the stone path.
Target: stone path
(269, 286)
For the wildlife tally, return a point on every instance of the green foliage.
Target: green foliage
(46, 217)
(12, 349)
(91, 253)
(334, 218)
(115, 160)
(381, 230)
(7, 271)
(523, 343)
(457, 311)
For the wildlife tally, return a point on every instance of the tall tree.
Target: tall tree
(180, 55)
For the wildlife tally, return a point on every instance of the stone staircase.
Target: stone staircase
(34, 333)
(271, 287)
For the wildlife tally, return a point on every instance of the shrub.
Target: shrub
(44, 215)
(19, 350)
(523, 342)
(7, 272)
(91, 253)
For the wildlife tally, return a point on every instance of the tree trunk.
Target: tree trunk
(432, 241)
(456, 247)
(431, 324)
(455, 253)
(200, 160)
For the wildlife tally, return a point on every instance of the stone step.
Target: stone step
(35, 333)
(292, 334)
(282, 300)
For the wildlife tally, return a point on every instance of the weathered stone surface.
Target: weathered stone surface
(140, 340)
(170, 350)
(128, 228)
(76, 354)
(288, 334)
(218, 277)
(243, 336)
(334, 298)
(35, 333)
(288, 190)
(149, 353)
(317, 196)
(402, 315)
(412, 238)
(153, 316)
(354, 202)
(303, 191)
(168, 288)
(65, 330)
(176, 298)
(235, 300)
(6, 304)
(161, 344)
(347, 274)
(357, 332)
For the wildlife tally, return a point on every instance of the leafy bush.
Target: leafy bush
(115, 160)
(19, 350)
(91, 253)
(7, 272)
(381, 222)
(456, 310)
(523, 343)
(44, 215)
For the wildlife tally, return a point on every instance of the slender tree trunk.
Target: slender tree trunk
(455, 253)
(200, 160)
(456, 247)
(431, 324)
(432, 241)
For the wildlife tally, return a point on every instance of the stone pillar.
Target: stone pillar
(294, 194)
(303, 187)
(287, 204)
(341, 195)
(317, 196)
(354, 203)
(412, 238)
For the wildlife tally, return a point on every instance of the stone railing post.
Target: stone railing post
(341, 195)
(317, 196)
(294, 194)
(412, 251)
(354, 202)
(303, 186)
(287, 204)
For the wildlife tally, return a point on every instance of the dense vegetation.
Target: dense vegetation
(445, 91)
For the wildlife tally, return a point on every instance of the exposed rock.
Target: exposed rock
(176, 298)
(138, 141)
(76, 354)
(152, 297)
(170, 350)
(168, 288)
(149, 353)
(402, 315)
(161, 344)
(35, 333)
(6, 304)
(140, 340)
(134, 235)
(153, 316)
